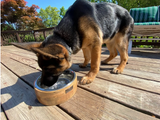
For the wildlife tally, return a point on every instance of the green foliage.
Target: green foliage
(5, 27)
(51, 15)
(98, 1)
(62, 12)
(128, 4)
(41, 37)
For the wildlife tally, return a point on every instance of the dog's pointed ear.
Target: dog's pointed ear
(28, 45)
(35, 47)
(45, 55)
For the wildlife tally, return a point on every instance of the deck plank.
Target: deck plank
(143, 61)
(132, 57)
(18, 51)
(139, 83)
(146, 67)
(140, 61)
(135, 63)
(100, 108)
(132, 97)
(22, 70)
(142, 74)
(130, 81)
(130, 72)
(26, 60)
(117, 92)
(19, 100)
(90, 106)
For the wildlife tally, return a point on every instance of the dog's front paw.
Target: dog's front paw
(116, 71)
(86, 80)
(82, 65)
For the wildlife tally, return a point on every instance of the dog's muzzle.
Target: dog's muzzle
(49, 80)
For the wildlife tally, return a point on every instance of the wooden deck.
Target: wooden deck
(132, 95)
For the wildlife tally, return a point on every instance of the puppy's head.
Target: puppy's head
(53, 59)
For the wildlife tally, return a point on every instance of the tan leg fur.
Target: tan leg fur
(91, 46)
(87, 56)
(113, 53)
(120, 43)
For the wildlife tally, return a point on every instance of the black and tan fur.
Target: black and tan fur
(85, 26)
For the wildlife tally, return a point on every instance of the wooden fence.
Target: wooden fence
(40, 35)
(146, 35)
(25, 36)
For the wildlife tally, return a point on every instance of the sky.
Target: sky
(53, 3)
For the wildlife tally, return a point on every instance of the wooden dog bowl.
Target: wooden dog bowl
(55, 95)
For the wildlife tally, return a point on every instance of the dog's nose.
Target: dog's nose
(49, 80)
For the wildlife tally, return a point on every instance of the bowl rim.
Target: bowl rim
(42, 89)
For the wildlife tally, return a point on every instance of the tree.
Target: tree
(128, 4)
(30, 19)
(62, 12)
(51, 15)
(99, 1)
(15, 13)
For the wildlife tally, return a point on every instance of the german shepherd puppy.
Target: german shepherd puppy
(85, 26)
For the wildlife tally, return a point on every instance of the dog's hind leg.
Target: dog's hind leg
(112, 51)
(122, 40)
(122, 47)
(87, 56)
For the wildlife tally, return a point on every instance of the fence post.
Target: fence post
(34, 35)
(1, 41)
(18, 38)
(44, 34)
